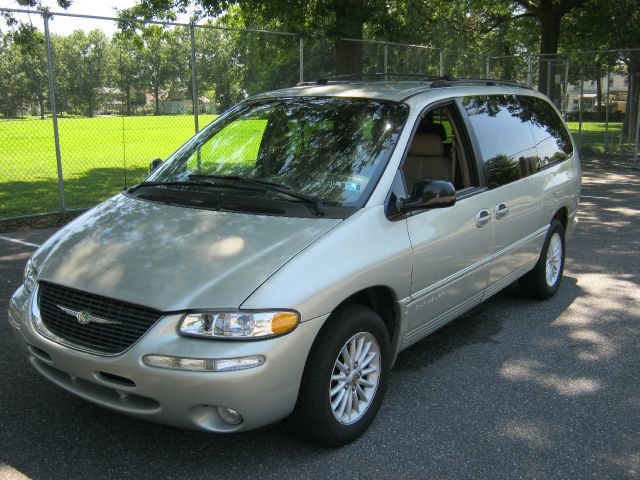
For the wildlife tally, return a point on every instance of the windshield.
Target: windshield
(330, 148)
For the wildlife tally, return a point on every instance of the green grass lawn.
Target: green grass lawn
(95, 151)
(593, 136)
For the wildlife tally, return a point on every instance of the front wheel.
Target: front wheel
(344, 379)
(544, 280)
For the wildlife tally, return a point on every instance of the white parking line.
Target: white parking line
(591, 196)
(14, 240)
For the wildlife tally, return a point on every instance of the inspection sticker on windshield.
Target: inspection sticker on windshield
(351, 186)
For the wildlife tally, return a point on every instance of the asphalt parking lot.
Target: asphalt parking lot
(514, 389)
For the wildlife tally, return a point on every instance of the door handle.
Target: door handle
(483, 217)
(502, 209)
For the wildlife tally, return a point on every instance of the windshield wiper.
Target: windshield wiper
(238, 178)
(276, 187)
(162, 184)
(176, 184)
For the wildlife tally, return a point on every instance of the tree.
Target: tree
(178, 50)
(83, 61)
(220, 68)
(487, 15)
(12, 80)
(613, 25)
(550, 14)
(31, 55)
(338, 19)
(157, 63)
(36, 4)
(30, 44)
(23, 70)
(125, 71)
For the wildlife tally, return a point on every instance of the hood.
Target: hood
(173, 258)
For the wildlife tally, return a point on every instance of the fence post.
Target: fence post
(386, 59)
(549, 92)
(565, 100)
(635, 151)
(580, 112)
(631, 86)
(531, 71)
(54, 113)
(301, 60)
(194, 80)
(487, 65)
(442, 62)
(606, 112)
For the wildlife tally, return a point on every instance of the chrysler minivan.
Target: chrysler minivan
(276, 264)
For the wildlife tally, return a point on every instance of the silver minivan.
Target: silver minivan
(278, 261)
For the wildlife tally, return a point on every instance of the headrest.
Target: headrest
(427, 145)
(430, 127)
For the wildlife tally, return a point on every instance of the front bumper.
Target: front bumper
(262, 395)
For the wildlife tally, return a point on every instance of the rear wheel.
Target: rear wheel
(544, 280)
(344, 379)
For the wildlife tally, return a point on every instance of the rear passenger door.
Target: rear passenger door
(500, 127)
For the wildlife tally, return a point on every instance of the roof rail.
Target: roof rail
(436, 80)
(358, 77)
(454, 82)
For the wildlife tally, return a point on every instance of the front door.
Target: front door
(451, 246)
(451, 262)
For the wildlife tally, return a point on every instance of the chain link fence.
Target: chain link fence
(83, 113)
(595, 91)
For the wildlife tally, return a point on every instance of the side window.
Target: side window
(501, 125)
(436, 152)
(551, 138)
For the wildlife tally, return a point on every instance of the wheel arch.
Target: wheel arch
(381, 300)
(562, 215)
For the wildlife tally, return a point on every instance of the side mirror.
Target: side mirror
(155, 163)
(429, 194)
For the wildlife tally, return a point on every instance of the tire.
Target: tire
(324, 413)
(544, 280)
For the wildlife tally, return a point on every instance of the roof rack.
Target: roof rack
(436, 80)
(454, 82)
(351, 77)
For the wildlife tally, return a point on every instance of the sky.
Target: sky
(65, 25)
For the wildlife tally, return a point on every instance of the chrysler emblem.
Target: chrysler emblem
(85, 318)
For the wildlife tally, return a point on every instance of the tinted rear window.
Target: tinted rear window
(517, 135)
(552, 140)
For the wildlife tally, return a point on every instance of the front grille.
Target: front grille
(108, 338)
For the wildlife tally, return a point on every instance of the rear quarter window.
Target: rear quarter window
(501, 127)
(551, 138)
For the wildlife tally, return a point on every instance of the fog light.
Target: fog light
(230, 416)
(203, 364)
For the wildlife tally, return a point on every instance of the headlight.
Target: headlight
(238, 325)
(30, 276)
